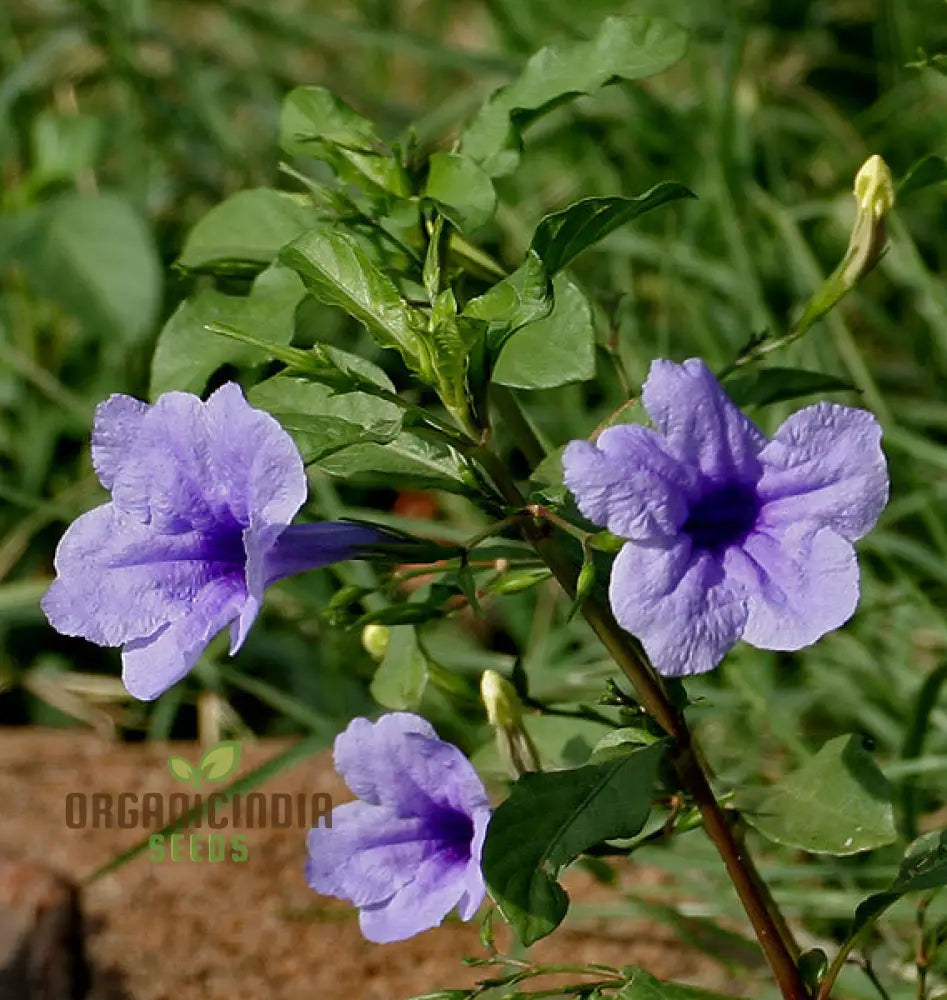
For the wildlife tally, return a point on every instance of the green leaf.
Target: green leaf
(548, 820)
(642, 985)
(401, 677)
(220, 761)
(461, 190)
(337, 271)
(449, 340)
(248, 229)
(625, 48)
(322, 422)
(64, 145)
(552, 351)
(312, 115)
(837, 803)
(409, 460)
(187, 353)
(562, 236)
(618, 741)
(522, 297)
(928, 170)
(776, 385)
(923, 867)
(181, 769)
(97, 259)
(315, 123)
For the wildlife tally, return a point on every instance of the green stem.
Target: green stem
(632, 661)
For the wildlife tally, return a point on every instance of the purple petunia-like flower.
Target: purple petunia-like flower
(730, 535)
(197, 528)
(409, 851)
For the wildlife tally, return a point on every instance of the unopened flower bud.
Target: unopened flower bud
(375, 640)
(874, 191)
(505, 714)
(874, 187)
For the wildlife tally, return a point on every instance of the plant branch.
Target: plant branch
(631, 659)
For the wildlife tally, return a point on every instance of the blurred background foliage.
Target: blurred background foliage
(123, 121)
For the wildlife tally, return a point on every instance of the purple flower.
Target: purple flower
(730, 536)
(409, 851)
(202, 494)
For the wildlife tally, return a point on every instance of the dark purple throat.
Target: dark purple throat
(723, 516)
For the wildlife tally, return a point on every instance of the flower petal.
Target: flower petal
(251, 448)
(399, 762)
(628, 482)
(702, 426)
(367, 854)
(116, 426)
(153, 664)
(367, 753)
(678, 602)
(800, 584)
(422, 903)
(206, 465)
(474, 886)
(825, 463)
(117, 580)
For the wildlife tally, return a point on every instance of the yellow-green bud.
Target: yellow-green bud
(505, 714)
(500, 700)
(375, 640)
(874, 187)
(874, 191)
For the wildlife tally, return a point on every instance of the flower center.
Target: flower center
(722, 517)
(455, 832)
(225, 546)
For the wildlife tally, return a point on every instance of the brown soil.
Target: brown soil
(187, 931)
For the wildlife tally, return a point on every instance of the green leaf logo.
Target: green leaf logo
(220, 761)
(182, 770)
(217, 764)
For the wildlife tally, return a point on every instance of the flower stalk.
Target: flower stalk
(626, 653)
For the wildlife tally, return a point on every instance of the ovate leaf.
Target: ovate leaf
(564, 235)
(401, 676)
(187, 353)
(220, 761)
(316, 123)
(837, 803)
(549, 819)
(625, 48)
(323, 422)
(97, 259)
(247, 230)
(555, 350)
(337, 271)
(522, 297)
(408, 460)
(461, 189)
(312, 115)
